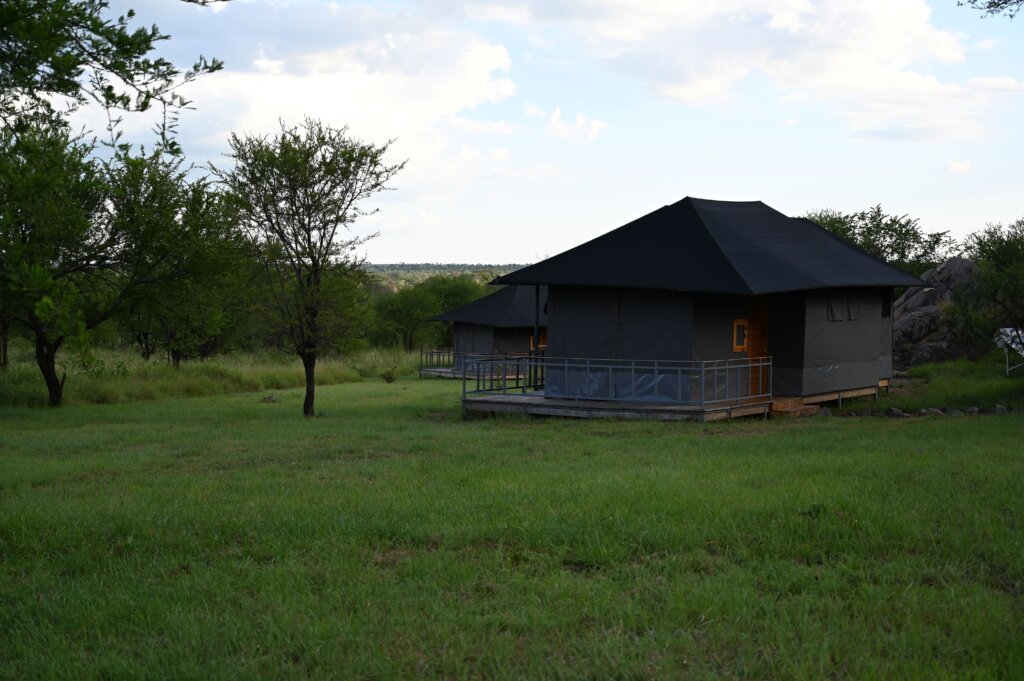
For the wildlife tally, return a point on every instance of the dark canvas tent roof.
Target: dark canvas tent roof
(512, 306)
(698, 245)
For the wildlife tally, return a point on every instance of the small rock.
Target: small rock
(922, 412)
(894, 413)
(824, 411)
(932, 411)
(899, 374)
(866, 411)
(877, 413)
(1000, 409)
(972, 411)
(954, 412)
(269, 398)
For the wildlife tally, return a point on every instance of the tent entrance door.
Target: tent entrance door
(757, 346)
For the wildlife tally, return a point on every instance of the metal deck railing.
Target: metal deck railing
(457, 361)
(702, 384)
(436, 359)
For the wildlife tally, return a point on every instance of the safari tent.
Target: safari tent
(706, 284)
(499, 323)
(509, 322)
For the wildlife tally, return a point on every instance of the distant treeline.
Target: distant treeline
(395, 276)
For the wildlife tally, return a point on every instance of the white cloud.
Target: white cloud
(534, 111)
(511, 14)
(959, 166)
(1003, 84)
(986, 44)
(477, 127)
(790, 122)
(871, 62)
(411, 87)
(583, 129)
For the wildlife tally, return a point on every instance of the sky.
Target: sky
(531, 126)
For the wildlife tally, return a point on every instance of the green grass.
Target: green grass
(958, 385)
(122, 376)
(220, 537)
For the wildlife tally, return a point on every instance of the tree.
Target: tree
(995, 298)
(194, 304)
(1008, 7)
(404, 316)
(896, 239)
(51, 195)
(67, 51)
(293, 193)
(78, 238)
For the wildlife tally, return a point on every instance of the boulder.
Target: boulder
(920, 332)
(971, 410)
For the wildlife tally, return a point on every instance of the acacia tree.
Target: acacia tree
(1008, 7)
(294, 194)
(896, 239)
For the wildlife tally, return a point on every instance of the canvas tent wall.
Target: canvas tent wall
(672, 285)
(478, 339)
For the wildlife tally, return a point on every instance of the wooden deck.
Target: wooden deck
(810, 404)
(535, 404)
(439, 372)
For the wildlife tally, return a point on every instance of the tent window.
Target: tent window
(852, 308)
(842, 308)
(836, 308)
(739, 335)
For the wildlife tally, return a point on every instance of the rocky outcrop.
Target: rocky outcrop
(921, 333)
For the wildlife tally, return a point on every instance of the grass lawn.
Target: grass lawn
(220, 537)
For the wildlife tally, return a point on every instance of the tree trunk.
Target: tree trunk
(175, 358)
(309, 364)
(5, 338)
(46, 358)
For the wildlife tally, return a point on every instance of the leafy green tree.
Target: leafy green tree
(403, 317)
(995, 299)
(67, 52)
(79, 239)
(54, 260)
(896, 239)
(295, 193)
(193, 302)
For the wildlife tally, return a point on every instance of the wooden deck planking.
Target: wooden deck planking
(538, 405)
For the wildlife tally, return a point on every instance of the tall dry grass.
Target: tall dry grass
(122, 376)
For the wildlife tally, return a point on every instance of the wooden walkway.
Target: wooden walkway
(536, 404)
